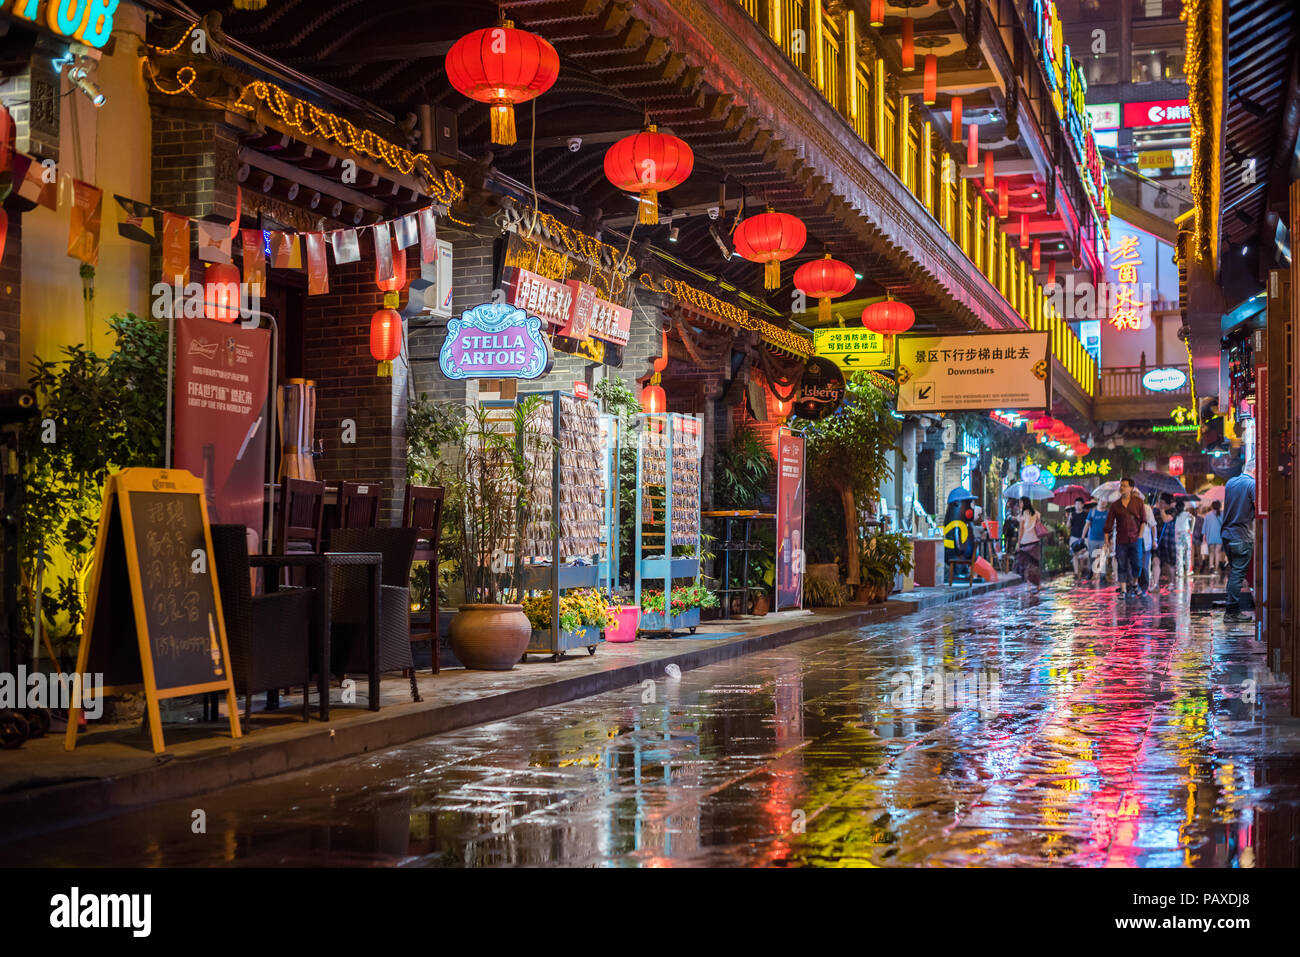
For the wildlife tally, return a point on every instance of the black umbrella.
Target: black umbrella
(1159, 482)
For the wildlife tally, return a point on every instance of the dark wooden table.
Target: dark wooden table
(320, 575)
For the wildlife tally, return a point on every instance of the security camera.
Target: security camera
(575, 143)
(714, 212)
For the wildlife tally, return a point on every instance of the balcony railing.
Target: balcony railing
(1125, 382)
(824, 47)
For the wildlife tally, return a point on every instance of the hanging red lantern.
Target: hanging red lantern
(1042, 424)
(649, 163)
(1081, 449)
(502, 66)
(909, 45)
(973, 145)
(653, 397)
(1175, 465)
(825, 279)
(931, 79)
(1036, 256)
(386, 339)
(1059, 429)
(877, 13)
(888, 317)
(770, 238)
(1024, 231)
(1051, 272)
(988, 169)
(1004, 201)
(398, 282)
(221, 292)
(956, 120)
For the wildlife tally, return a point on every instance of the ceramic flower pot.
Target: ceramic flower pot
(761, 604)
(622, 623)
(490, 637)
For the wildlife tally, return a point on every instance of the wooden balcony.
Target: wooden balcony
(1122, 397)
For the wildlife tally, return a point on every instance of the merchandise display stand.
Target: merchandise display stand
(667, 512)
(562, 542)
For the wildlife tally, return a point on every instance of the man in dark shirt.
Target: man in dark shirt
(1126, 517)
(1238, 536)
(1078, 547)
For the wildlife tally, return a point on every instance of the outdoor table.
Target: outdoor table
(321, 570)
(729, 545)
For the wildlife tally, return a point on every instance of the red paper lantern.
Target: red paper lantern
(877, 13)
(909, 45)
(648, 163)
(956, 119)
(398, 281)
(988, 169)
(1024, 231)
(973, 145)
(1059, 429)
(1042, 424)
(1036, 256)
(386, 338)
(931, 79)
(770, 238)
(825, 279)
(889, 317)
(221, 292)
(653, 397)
(1051, 272)
(1081, 449)
(502, 66)
(1004, 201)
(1175, 465)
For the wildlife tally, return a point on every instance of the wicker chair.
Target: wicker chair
(349, 618)
(269, 635)
(422, 511)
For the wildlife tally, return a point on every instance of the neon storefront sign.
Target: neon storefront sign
(1128, 308)
(1164, 380)
(495, 341)
(87, 21)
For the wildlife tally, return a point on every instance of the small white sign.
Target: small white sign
(1164, 380)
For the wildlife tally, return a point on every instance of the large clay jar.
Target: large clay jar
(490, 637)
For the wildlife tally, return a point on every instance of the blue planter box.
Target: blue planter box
(653, 621)
(540, 642)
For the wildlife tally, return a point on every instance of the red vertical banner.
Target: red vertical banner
(790, 559)
(1263, 468)
(176, 249)
(222, 417)
(254, 261)
(83, 225)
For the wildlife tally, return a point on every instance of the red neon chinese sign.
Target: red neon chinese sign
(1128, 307)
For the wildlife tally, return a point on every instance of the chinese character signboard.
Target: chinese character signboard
(1129, 307)
(1157, 113)
(981, 372)
(854, 349)
(1079, 468)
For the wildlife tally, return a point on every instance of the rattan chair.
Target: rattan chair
(422, 511)
(301, 516)
(350, 620)
(269, 635)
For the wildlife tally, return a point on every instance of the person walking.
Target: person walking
(1079, 547)
(1183, 538)
(1238, 536)
(1146, 553)
(1199, 549)
(1126, 517)
(1097, 541)
(1214, 537)
(1029, 548)
(1166, 549)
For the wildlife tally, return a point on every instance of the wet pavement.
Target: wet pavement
(1066, 728)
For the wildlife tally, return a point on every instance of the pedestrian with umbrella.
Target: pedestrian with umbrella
(1029, 546)
(1127, 517)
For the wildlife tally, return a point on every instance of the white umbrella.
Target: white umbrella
(1106, 493)
(1030, 490)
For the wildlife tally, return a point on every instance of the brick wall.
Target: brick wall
(194, 166)
(336, 354)
(12, 375)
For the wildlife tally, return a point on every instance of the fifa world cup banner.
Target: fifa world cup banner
(790, 562)
(222, 420)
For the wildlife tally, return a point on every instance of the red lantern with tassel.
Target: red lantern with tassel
(221, 292)
(909, 45)
(770, 238)
(1081, 449)
(1004, 201)
(973, 145)
(502, 66)
(956, 120)
(1042, 424)
(649, 163)
(931, 79)
(825, 279)
(386, 338)
(1051, 272)
(888, 317)
(653, 397)
(877, 13)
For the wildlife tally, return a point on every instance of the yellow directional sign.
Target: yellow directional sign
(854, 349)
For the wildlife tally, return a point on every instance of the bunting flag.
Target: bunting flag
(176, 249)
(83, 225)
(383, 253)
(280, 250)
(406, 231)
(428, 235)
(295, 250)
(214, 242)
(134, 220)
(254, 260)
(318, 280)
(347, 248)
(38, 183)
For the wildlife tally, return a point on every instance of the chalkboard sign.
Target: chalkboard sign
(154, 611)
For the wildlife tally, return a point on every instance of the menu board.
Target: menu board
(154, 612)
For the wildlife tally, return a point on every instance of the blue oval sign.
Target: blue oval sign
(1164, 380)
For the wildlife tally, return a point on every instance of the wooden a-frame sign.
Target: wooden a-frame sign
(153, 616)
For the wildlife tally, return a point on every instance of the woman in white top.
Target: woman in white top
(1183, 536)
(1029, 549)
(1149, 566)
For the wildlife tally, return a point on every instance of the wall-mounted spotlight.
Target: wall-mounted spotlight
(79, 77)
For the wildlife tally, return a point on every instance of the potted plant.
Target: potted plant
(883, 558)
(491, 508)
(741, 471)
(762, 576)
(583, 611)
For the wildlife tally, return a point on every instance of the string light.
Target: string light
(702, 300)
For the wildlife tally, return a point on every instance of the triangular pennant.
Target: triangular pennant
(383, 253)
(295, 251)
(405, 231)
(255, 260)
(214, 242)
(428, 235)
(134, 220)
(83, 225)
(318, 280)
(280, 250)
